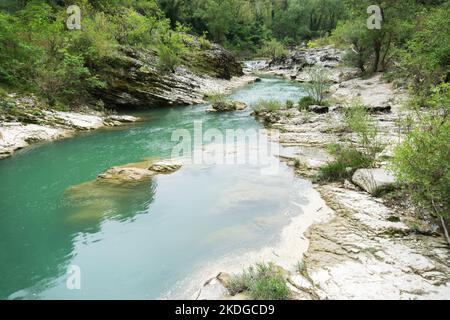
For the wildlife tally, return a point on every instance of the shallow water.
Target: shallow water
(135, 243)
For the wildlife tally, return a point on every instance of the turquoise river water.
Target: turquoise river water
(137, 243)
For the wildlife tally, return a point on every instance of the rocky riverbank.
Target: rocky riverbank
(39, 125)
(368, 247)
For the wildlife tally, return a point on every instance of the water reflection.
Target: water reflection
(92, 202)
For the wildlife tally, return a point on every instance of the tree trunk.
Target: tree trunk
(360, 59)
(376, 49)
(388, 46)
(447, 237)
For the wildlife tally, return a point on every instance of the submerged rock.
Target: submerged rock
(116, 190)
(123, 118)
(373, 180)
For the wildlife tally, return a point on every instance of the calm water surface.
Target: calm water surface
(136, 243)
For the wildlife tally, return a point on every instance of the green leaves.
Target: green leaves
(426, 58)
(262, 282)
(273, 49)
(422, 161)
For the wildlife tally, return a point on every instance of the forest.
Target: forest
(38, 53)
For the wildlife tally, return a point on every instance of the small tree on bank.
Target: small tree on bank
(319, 83)
(422, 160)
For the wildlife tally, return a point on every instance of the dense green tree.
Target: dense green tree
(426, 58)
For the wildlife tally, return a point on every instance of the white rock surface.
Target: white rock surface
(15, 136)
(212, 290)
(360, 255)
(55, 125)
(373, 180)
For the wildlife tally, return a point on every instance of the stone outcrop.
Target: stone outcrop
(378, 96)
(373, 180)
(135, 79)
(165, 167)
(327, 57)
(125, 174)
(295, 65)
(214, 289)
(364, 253)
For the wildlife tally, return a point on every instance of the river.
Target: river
(137, 244)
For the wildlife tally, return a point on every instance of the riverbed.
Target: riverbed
(143, 242)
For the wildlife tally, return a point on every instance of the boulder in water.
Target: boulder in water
(126, 174)
(165, 166)
(138, 172)
(224, 106)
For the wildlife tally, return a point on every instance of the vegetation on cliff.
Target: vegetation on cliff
(40, 55)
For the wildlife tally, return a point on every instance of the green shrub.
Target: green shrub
(425, 59)
(273, 49)
(305, 102)
(354, 34)
(205, 44)
(168, 59)
(422, 160)
(318, 84)
(347, 161)
(267, 106)
(262, 282)
(359, 121)
(6, 103)
(289, 104)
(215, 97)
(297, 163)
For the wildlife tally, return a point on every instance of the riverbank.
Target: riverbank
(369, 247)
(53, 125)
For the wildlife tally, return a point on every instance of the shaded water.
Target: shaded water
(137, 243)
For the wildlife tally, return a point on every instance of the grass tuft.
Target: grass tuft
(261, 282)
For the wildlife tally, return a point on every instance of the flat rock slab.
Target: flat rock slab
(360, 254)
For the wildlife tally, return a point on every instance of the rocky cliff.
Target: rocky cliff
(135, 80)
